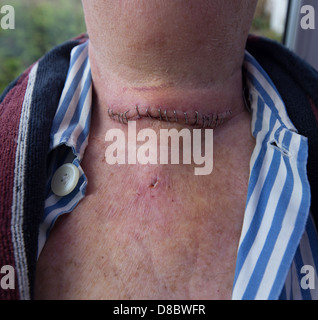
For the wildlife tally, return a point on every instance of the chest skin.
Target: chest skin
(151, 231)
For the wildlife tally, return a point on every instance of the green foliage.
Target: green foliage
(39, 26)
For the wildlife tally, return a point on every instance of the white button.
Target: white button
(65, 179)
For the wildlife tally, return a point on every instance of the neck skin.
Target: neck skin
(180, 56)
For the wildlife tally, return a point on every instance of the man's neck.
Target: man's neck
(177, 56)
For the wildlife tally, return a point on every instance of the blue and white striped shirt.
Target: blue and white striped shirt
(278, 242)
(69, 138)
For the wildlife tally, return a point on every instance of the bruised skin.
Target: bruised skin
(217, 99)
(151, 231)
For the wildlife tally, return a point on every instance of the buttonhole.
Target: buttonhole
(275, 145)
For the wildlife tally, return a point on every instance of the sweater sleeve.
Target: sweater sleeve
(27, 109)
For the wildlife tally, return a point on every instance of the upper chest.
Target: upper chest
(139, 224)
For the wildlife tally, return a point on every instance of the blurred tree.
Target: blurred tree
(39, 26)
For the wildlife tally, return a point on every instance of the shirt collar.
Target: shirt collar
(72, 119)
(278, 197)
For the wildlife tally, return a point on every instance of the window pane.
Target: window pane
(270, 19)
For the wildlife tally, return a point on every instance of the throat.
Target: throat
(194, 103)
